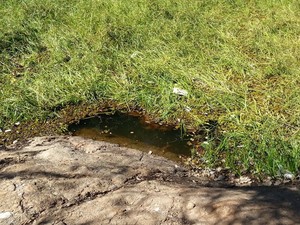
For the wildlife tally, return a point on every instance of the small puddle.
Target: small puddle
(134, 132)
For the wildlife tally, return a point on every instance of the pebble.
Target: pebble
(156, 209)
(179, 169)
(219, 169)
(190, 205)
(277, 182)
(1, 131)
(5, 215)
(288, 176)
(243, 180)
(268, 181)
(220, 178)
(8, 130)
(287, 181)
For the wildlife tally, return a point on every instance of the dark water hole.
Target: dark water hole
(134, 132)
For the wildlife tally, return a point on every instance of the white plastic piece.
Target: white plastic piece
(179, 91)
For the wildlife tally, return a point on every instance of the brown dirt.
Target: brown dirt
(71, 180)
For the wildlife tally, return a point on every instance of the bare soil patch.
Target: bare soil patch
(71, 180)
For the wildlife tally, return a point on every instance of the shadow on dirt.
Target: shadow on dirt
(263, 205)
(79, 181)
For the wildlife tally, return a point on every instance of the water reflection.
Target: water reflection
(133, 131)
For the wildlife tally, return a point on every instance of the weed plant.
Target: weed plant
(238, 60)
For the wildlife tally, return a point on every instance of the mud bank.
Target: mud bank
(72, 180)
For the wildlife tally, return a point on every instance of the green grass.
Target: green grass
(238, 60)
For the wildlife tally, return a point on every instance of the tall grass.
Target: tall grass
(238, 60)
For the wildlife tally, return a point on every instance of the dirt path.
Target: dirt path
(74, 181)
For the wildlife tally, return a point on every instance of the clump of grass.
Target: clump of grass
(239, 62)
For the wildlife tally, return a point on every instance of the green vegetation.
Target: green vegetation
(238, 60)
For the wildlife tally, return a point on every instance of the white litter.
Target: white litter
(187, 109)
(179, 91)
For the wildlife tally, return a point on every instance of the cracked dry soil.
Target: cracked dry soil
(76, 181)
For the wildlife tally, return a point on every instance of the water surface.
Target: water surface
(134, 132)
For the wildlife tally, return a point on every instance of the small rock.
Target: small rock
(268, 181)
(5, 215)
(179, 169)
(15, 142)
(17, 123)
(288, 176)
(8, 130)
(189, 143)
(287, 181)
(156, 209)
(60, 223)
(277, 182)
(1, 131)
(190, 205)
(219, 169)
(150, 152)
(220, 178)
(243, 180)
(131, 132)
(157, 189)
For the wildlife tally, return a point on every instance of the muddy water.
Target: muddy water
(134, 132)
